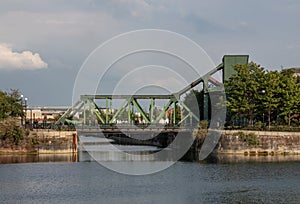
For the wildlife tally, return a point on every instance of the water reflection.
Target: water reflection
(101, 149)
(31, 158)
(242, 158)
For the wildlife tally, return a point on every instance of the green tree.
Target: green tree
(11, 132)
(290, 95)
(272, 93)
(10, 104)
(243, 91)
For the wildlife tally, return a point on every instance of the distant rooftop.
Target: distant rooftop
(62, 108)
(295, 70)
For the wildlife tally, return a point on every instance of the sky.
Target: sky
(44, 43)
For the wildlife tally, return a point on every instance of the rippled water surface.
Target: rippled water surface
(183, 182)
(77, 178)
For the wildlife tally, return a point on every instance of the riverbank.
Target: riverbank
(232, 142)
(250, 144)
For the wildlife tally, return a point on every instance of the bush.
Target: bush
(11, 131)
(251, 139)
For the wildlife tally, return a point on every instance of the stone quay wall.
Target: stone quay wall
(55, 142)
(258, 143)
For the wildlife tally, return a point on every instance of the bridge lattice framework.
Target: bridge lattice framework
(89, 111)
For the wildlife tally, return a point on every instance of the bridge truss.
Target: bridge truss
(86, 112)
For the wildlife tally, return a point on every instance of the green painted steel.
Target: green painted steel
(174, 113)
(106, 111)
(151, 109)
(162, 114)
(129, 111)
(119, 111)
(137, 105)
(94, 109)
(183, 119)
(62, 119)
(87, 108)
(97, 96)
(231, 60)
(191, 114)
(84, 112)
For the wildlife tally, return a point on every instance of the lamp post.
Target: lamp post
(26, 99)
(22, 111)
(31, 123)
(24, 107)
(263, 92)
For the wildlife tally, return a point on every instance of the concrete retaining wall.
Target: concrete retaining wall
(269, 143)
(55, 142)
(53, 133)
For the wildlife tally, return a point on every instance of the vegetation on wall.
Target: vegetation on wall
(250, 139)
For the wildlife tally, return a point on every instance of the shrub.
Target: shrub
(251, 139)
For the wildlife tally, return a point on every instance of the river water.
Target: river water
(57, 179)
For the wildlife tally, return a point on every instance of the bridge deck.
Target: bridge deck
(134, 130)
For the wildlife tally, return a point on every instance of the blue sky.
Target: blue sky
(43, 43)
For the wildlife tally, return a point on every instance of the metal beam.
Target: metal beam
(174, 113)
(129, 111)
(119, 111)
(151, 109)
(199, 80)
(183, 119)
(63, 117)
(94, 109)
(190, 112)
(126, 96)
(137, 105)
(166, 107)
(106, 111)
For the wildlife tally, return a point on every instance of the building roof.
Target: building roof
(295, 70)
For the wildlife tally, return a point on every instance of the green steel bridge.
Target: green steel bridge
(87, 113)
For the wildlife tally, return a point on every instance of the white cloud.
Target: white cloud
(23, 60)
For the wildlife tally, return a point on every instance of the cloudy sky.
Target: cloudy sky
(43, 43)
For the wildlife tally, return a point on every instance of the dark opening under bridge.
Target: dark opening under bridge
(130, 115)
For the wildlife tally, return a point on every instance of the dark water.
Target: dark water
(70, 178)
(184, 182)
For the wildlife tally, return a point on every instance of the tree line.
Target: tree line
(259, 96)
(255, 97)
